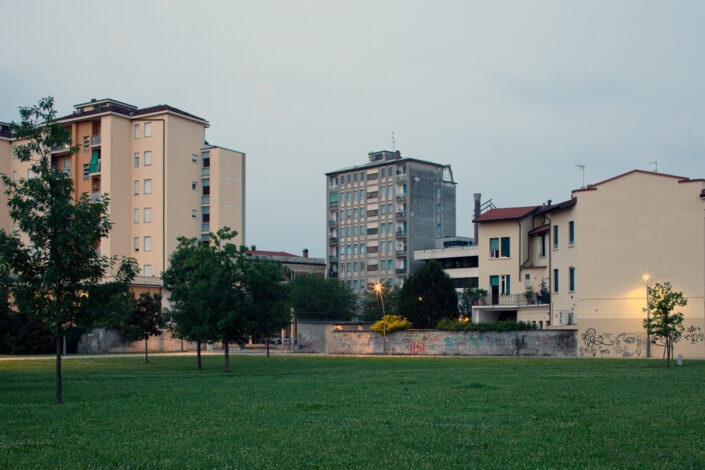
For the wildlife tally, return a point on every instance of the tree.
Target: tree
(264, 285)
(469, 297)
(143, 320)
(316, 298)
(393, 323)
(372, 303)
(55, 273)
(427, 296)
(662, 324)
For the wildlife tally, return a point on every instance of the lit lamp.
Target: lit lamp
(378, 289)
(646, 278)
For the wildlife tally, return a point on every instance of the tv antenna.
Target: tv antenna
(581, 167)
(655, 163)
(394, 142)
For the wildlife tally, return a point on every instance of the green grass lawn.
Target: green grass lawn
(324, 412)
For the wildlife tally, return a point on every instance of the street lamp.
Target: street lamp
(646, 278)
(378, 288)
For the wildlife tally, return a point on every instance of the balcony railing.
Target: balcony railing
(401, 195)
(333, 258)
(401, 177)
(400, 215)
(333, 205)
(332, 223)
(95, 141)
(60, 148)
(333, 240)
(514, 299)
(401, 253)
(401, 270)
(400, 234)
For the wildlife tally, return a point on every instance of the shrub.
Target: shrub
(448, 324)
(394, 323)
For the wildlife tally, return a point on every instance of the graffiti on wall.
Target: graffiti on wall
(625, 344)
(594, 343)
(629, 344)
(694, 334)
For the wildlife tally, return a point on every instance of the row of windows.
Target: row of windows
(571, 279)
(146, 245)
(353, 177)
(499, 247)
(354, 285)
(571, 235)
(147, 187)
(146, 213)
(147, 161)
(147, 130)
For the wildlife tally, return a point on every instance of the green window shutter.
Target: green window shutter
(333, 197)
(571, 233)
(494, 281)
(494, 248)
(509, 291)
(555, 280)
(505, 247)
(571, 272)
(94, 166)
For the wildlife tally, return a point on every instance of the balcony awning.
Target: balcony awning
(94, 166)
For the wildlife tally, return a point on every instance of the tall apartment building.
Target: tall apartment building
(379, 213)
(593, 254)
(163, 179)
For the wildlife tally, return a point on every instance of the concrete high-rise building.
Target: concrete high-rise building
(163, 179)
(379, 213)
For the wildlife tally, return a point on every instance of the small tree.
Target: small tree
(264, 285)
(663, 325)
(313, 297)
(427, 296)
(143, 320)
(393, 323)
(56, 274)
(469, 297)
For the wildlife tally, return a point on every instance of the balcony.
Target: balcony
(401, 178)
(333, 205)
(333, 240)
(401, 196)
(400, 234)
(95, 196)
(332, 223)
(205, 171)
(400, 215)
(95, 141)
(61, 149)
(401, 253)
(401, 271)
(515, 300)
(333, 258)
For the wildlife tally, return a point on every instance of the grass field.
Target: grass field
(325, 412)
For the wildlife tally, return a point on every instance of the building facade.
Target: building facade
(163, 180)
(379, 213)
(595, 253)
(458, 257)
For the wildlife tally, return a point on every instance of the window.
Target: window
(362, 176)
(362, 212)
(194, 158)
(147, 215)
(148, 186)
(348, 183)
(372, 195)
(494, 247)
(348, 263)
(136, 243)
(382, 176)
(555, 280)
(194, 214)
(354, 213)
(505, 247)
(542, 246)
(438, 191)
(194, 185)
(136, 160)
(438, 229)
(348, 231)
(362, 194)
(14, 226)
(438, 209)
(355, 177)
(148, 129)
(137, 131)
(348, 213)
(383, 263)
(384, 191)
(355, 266)
(527, 280)
(86, 172)
(147, 157)
(571, 279)
(86, 142)
(383, 209)
(85, 176)
(342, 215)
(362, 248)
(504, 285)
(355, 194)
(147, 270)
(383, 227)
(136, 187)
(347, 252)
(390, 265)
(389, 208)
(147, 243)
(389, 190)
(355, 246)
(206, 156)
(571, 233)
(390, 227)
(555, 237)
(136, 216)
(389, 246)
(355, 231)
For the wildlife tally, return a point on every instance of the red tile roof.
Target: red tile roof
(537, 230)
(506, 213)
(272, 253)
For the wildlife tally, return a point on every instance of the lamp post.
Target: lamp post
(378, 288)
(646, 278)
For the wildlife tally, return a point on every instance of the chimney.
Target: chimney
(305, 252)
(477, 197)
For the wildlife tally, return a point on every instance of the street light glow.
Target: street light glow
(646, 276)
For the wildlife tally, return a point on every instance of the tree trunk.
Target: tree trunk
(267, 343)
(226, 347)
(198, 354)
(58, 369)
(146, 355)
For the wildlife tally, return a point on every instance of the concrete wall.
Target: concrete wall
(322, 338)
(108, 340)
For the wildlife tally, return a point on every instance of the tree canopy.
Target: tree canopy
(143, 319)
(663, 324)
(316, 298)
(427, 296)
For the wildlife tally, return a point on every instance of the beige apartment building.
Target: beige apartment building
(379, 213)
(163, 179)
(595, 253)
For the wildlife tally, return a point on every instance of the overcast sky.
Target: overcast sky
(511, 94)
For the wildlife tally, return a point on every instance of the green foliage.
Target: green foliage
(372, 303)
(55, 277)
(393, 323)
(427, 296)
(144, 319)
(316, 298)
(664, 325)
(469, 297)
(264, 285)
(448, 324)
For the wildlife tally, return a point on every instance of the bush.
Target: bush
(448, 324)
(394, 323)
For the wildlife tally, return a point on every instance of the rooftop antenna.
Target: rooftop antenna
(581, 166)
(655, 163)
(394, 142)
